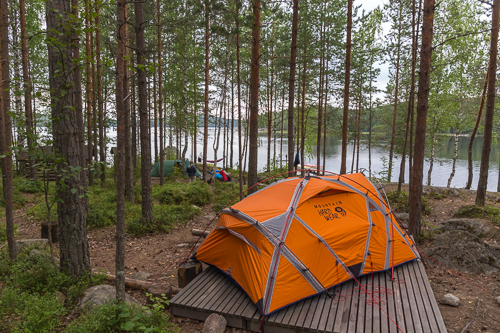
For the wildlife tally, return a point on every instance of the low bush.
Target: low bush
(489, 212)
(39, 211)
(102, 206)
(3, 230)
(17, 199)
(177, 193)
(112, 317)
(224, 193)
(28, 186)
(399, 202)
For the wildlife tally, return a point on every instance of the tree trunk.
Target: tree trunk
(147, 204)
(207, 64)
(67, 127)
(129, 173)
(490, 108)
(27, 92)
(254, 98)
(347, 81)
(93, 157)
(102, 147)
(5, 133)
(320, 88)
(88, 92)
(473, 135)
(301, 128)
(415, 200)
(160, 91)
(291, 83)
(238, 78)
(185, 101)
(431, 158)
(455, 154)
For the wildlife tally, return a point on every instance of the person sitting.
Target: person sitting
(191, 172)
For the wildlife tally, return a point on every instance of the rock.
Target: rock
(183, 245)
(23, 244)
(60, 297)
(477, 228)
(491, 196)
(143, 276)
(99, 295)
(215, 324)
(450, 299)
(403, 217)
(498, 299)
(454, 192)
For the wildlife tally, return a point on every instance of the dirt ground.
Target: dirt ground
(155, 253)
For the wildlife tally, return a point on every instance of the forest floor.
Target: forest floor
(155, 253)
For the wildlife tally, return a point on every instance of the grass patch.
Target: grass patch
(399, 202)
(224, 193)
(488, 212)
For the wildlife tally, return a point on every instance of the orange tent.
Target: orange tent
(301, 236)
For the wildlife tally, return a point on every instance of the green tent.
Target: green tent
(169, 167)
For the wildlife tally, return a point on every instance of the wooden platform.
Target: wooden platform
(410, 303)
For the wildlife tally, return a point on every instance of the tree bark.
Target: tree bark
(490, 108)
(185, 101)
(6, 127)
(291, 82)
(347, 81)
(160, 91)
(147, 203)
(88, 91)
(455, 154)
(207, 64)
(415, 200)
(238, 78)
(121, 17)
(129, 173)
(102, 147)
(27, 92)
(67, 127)
(254, 98)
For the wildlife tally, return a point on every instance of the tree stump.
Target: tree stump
(54, 230)
(187, 272)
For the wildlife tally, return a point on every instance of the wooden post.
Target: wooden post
(187, 272)
(53, 230)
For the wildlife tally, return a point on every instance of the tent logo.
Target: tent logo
(340, 210)
(329, 215)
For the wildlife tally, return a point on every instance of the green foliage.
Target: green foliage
(165, 219)
(102, 206)
(29, 312)
(3, 231)
(28, 186)
(40, 212)
(176, 193)
(112, 317)
(399, 202)
(224, 193)
(17, 199)
(489, 212)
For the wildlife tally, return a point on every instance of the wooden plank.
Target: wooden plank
(221, 303)
(439, 323)
(244, 303)
(389, 299)
(210, 305)
(232, 306)
(288, 313)
(343, 303)
(363, 298)
(368, 324)
(344, 325)
(187, 292)
(327, 309)
(318, 313)
(417, 289)
(354, 312)
(308, 306)
(199, 288)
(334, 307)
(400, 319)
(216, 292)
(207, 293)
(414, 311)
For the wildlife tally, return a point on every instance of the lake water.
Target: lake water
(442, 163)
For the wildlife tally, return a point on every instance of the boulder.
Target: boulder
(450, 299)
(99, 295)
(477, 228)
(498, 299)
(23, 244)
(42, 254)
(215, 324)
(143, 276)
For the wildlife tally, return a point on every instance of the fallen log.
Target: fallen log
(151, 287)
(198, 232)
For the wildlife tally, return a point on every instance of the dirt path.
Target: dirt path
(153, 253)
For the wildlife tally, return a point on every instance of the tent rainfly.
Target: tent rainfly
(169, 167)
(301, 236)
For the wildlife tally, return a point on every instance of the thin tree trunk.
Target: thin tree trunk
(291, 84)
(473, 135)
(120, 151)
(5, 132)
(207, 64)
(254, 98)
(396, 91)
(160, 90)
(490, 108)
(155, 113)
(133, 115)
(415, 222)
(185, 101)
(321, 83)
(302, 126)
(238, 79)
(431, 158)
(129, 173)
(88, 91)
(455, 155)
(102, 147)
(93, 157)
(347, 81)
(147, 204)
(360, 108)
(27, 93)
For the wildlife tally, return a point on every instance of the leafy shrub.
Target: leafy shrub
(176, 193)
(224, 193)
(3, 231)
(17, 199)
(28, 186)
(489, 212)
(399, 202)
(102, 206)
(112, 317)
(165, 218)
(30, 312)
(39, 212)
